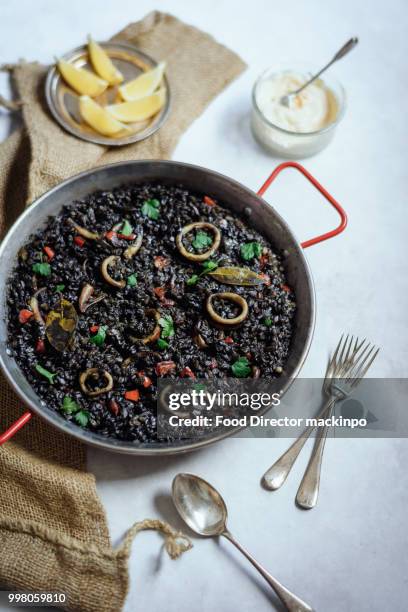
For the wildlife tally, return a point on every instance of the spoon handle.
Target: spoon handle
(350, 44)
(346, 48)
(292, 603)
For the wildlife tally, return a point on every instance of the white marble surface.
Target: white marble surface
(350, 552)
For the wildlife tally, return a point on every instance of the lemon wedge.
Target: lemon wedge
(83, 81)
(102, 63)
(98, 118)
(138, 110)
(143, 85)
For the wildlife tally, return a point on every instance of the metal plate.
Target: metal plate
(63, 101)
(233, 196)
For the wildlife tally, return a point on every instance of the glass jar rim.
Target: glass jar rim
(327, 128)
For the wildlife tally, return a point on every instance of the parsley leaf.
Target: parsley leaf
(59, 288)
(126, 229)
(44, 269)
(99, 338)
(192, 280)
(241, 368)
(48, 375)
(132, 280)
(209, 266)
(82, 418)
(167, 325)
(249, 250)
(199, 387)
(268, 322)
(202, 240)
(162, 344)
(151, 209)
(69, 406)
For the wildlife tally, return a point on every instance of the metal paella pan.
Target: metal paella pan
(233, 196)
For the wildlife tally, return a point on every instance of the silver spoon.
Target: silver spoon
(288, 99)
(205, 512)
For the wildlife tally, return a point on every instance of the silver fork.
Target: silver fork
(348, 365)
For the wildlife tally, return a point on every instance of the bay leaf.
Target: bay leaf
(60, 325)
(238, 276)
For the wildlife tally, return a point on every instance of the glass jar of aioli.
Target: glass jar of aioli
(308, 125)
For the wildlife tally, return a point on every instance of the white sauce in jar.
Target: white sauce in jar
(310, 111)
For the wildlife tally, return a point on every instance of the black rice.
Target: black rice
(158, 281)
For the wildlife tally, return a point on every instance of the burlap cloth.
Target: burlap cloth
(53, 529)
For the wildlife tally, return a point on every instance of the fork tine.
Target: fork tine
(349, 354)
(349, 358)
(339, 364)
(358, 347)
(358, 367)
(364, 372)
(341, 358)
(369, 363)
(332, 360)
(351, 365)
(361, 343)
(361, 351)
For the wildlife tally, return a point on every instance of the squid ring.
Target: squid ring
(198, 225)
(109, 261)
(93, 372)
(231, 297)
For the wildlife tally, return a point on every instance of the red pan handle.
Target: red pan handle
(323, 191)
(9, 433)
(13, 429)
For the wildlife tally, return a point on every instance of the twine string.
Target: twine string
(175, 542)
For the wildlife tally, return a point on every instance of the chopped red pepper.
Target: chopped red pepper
(209, 201)
(286, 288)
(187, 373)
(94, 329)
(267, 279)
(229, 340)
(145, 380)
(263, 260)
(159, 292)
(125, 237)
(163, 367)
(161, 262)
(133, 396)
(40, 346)
(79, 241)
(112, 234)
(24, 315)
(114, 407)
(49, 252)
